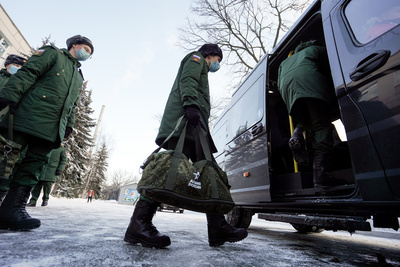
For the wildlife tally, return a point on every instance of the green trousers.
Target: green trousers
(313, 115)
(36, 157)
(46, 185)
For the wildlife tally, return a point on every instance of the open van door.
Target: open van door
(367, 39)
(246, 146)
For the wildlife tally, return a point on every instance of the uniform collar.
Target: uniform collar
(5, 72)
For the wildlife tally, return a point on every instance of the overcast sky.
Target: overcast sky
(133, 67)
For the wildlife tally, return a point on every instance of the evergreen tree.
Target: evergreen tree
(97, 174)
(72, 181)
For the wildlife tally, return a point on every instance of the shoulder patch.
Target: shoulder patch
(196, 58)
(39, 52)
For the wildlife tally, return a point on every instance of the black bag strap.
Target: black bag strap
(10, 127)
(178, 124)
(166, 140)
(202, 144)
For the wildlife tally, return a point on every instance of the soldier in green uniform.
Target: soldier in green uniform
(189, 96)
(42, 95)
(12, 64)
(48, 177)
(306, 86)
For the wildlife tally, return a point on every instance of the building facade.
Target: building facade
(11, 39)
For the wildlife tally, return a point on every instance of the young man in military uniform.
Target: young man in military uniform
(12, 64)
(306, 87)
(50, 83)
(189, 96)
(48, 177)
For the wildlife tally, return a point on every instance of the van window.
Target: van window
(370, 19)
(219, 136)
(248, 110)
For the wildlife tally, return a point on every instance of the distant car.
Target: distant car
(169, 207)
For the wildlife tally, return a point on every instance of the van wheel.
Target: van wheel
(239, 217)
(304, 229)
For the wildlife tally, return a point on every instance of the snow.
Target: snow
(77, 233)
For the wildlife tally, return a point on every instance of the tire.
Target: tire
(239, 217)
(304, 229)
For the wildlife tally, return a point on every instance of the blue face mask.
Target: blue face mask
(214, 66)
(82, 55)
(13, 69)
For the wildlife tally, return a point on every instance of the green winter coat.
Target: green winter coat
(306, 74)
(190, 88)
(57, 161)
(46, 90)
(4, 76)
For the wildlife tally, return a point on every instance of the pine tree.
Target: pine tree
(72, 181)
(97, 174)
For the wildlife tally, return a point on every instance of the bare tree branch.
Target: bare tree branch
(245, 29)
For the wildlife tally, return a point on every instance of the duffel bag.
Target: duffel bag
(170, 177)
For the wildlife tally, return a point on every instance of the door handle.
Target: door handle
(369, 64)
(256, 129)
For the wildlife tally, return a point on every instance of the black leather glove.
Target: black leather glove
(5, 102)
(58, 172)
(68, 132)
(192, 114)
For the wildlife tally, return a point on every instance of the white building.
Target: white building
(11, 39)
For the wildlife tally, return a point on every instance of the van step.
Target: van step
(348, 223)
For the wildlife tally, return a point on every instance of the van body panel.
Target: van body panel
(371, 108)
(366, 76)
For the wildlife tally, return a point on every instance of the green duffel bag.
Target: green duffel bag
(9, 150)
(169, 177)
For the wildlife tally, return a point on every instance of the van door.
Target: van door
(367, 38)
(246, 157)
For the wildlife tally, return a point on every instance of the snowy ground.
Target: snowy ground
(76, 233)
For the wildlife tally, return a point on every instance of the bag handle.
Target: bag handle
(178, 123)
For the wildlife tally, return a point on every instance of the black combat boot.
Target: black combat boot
(298, 146)
(220, 231)
(45, 203)
(322, 165)
(12, 211)
(141, 229)
(2, 196)
(32, 203)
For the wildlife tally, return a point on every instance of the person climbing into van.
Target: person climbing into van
(189, 96)
(306, 86)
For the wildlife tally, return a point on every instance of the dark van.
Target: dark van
(252, 134)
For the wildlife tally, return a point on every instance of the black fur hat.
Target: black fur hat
(210, 50)
(79, 39)
(14, 59)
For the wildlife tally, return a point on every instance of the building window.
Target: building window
(3, 45)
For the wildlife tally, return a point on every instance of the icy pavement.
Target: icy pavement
(76, 233)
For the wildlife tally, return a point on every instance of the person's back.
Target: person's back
(306, 87)
(306, 74)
